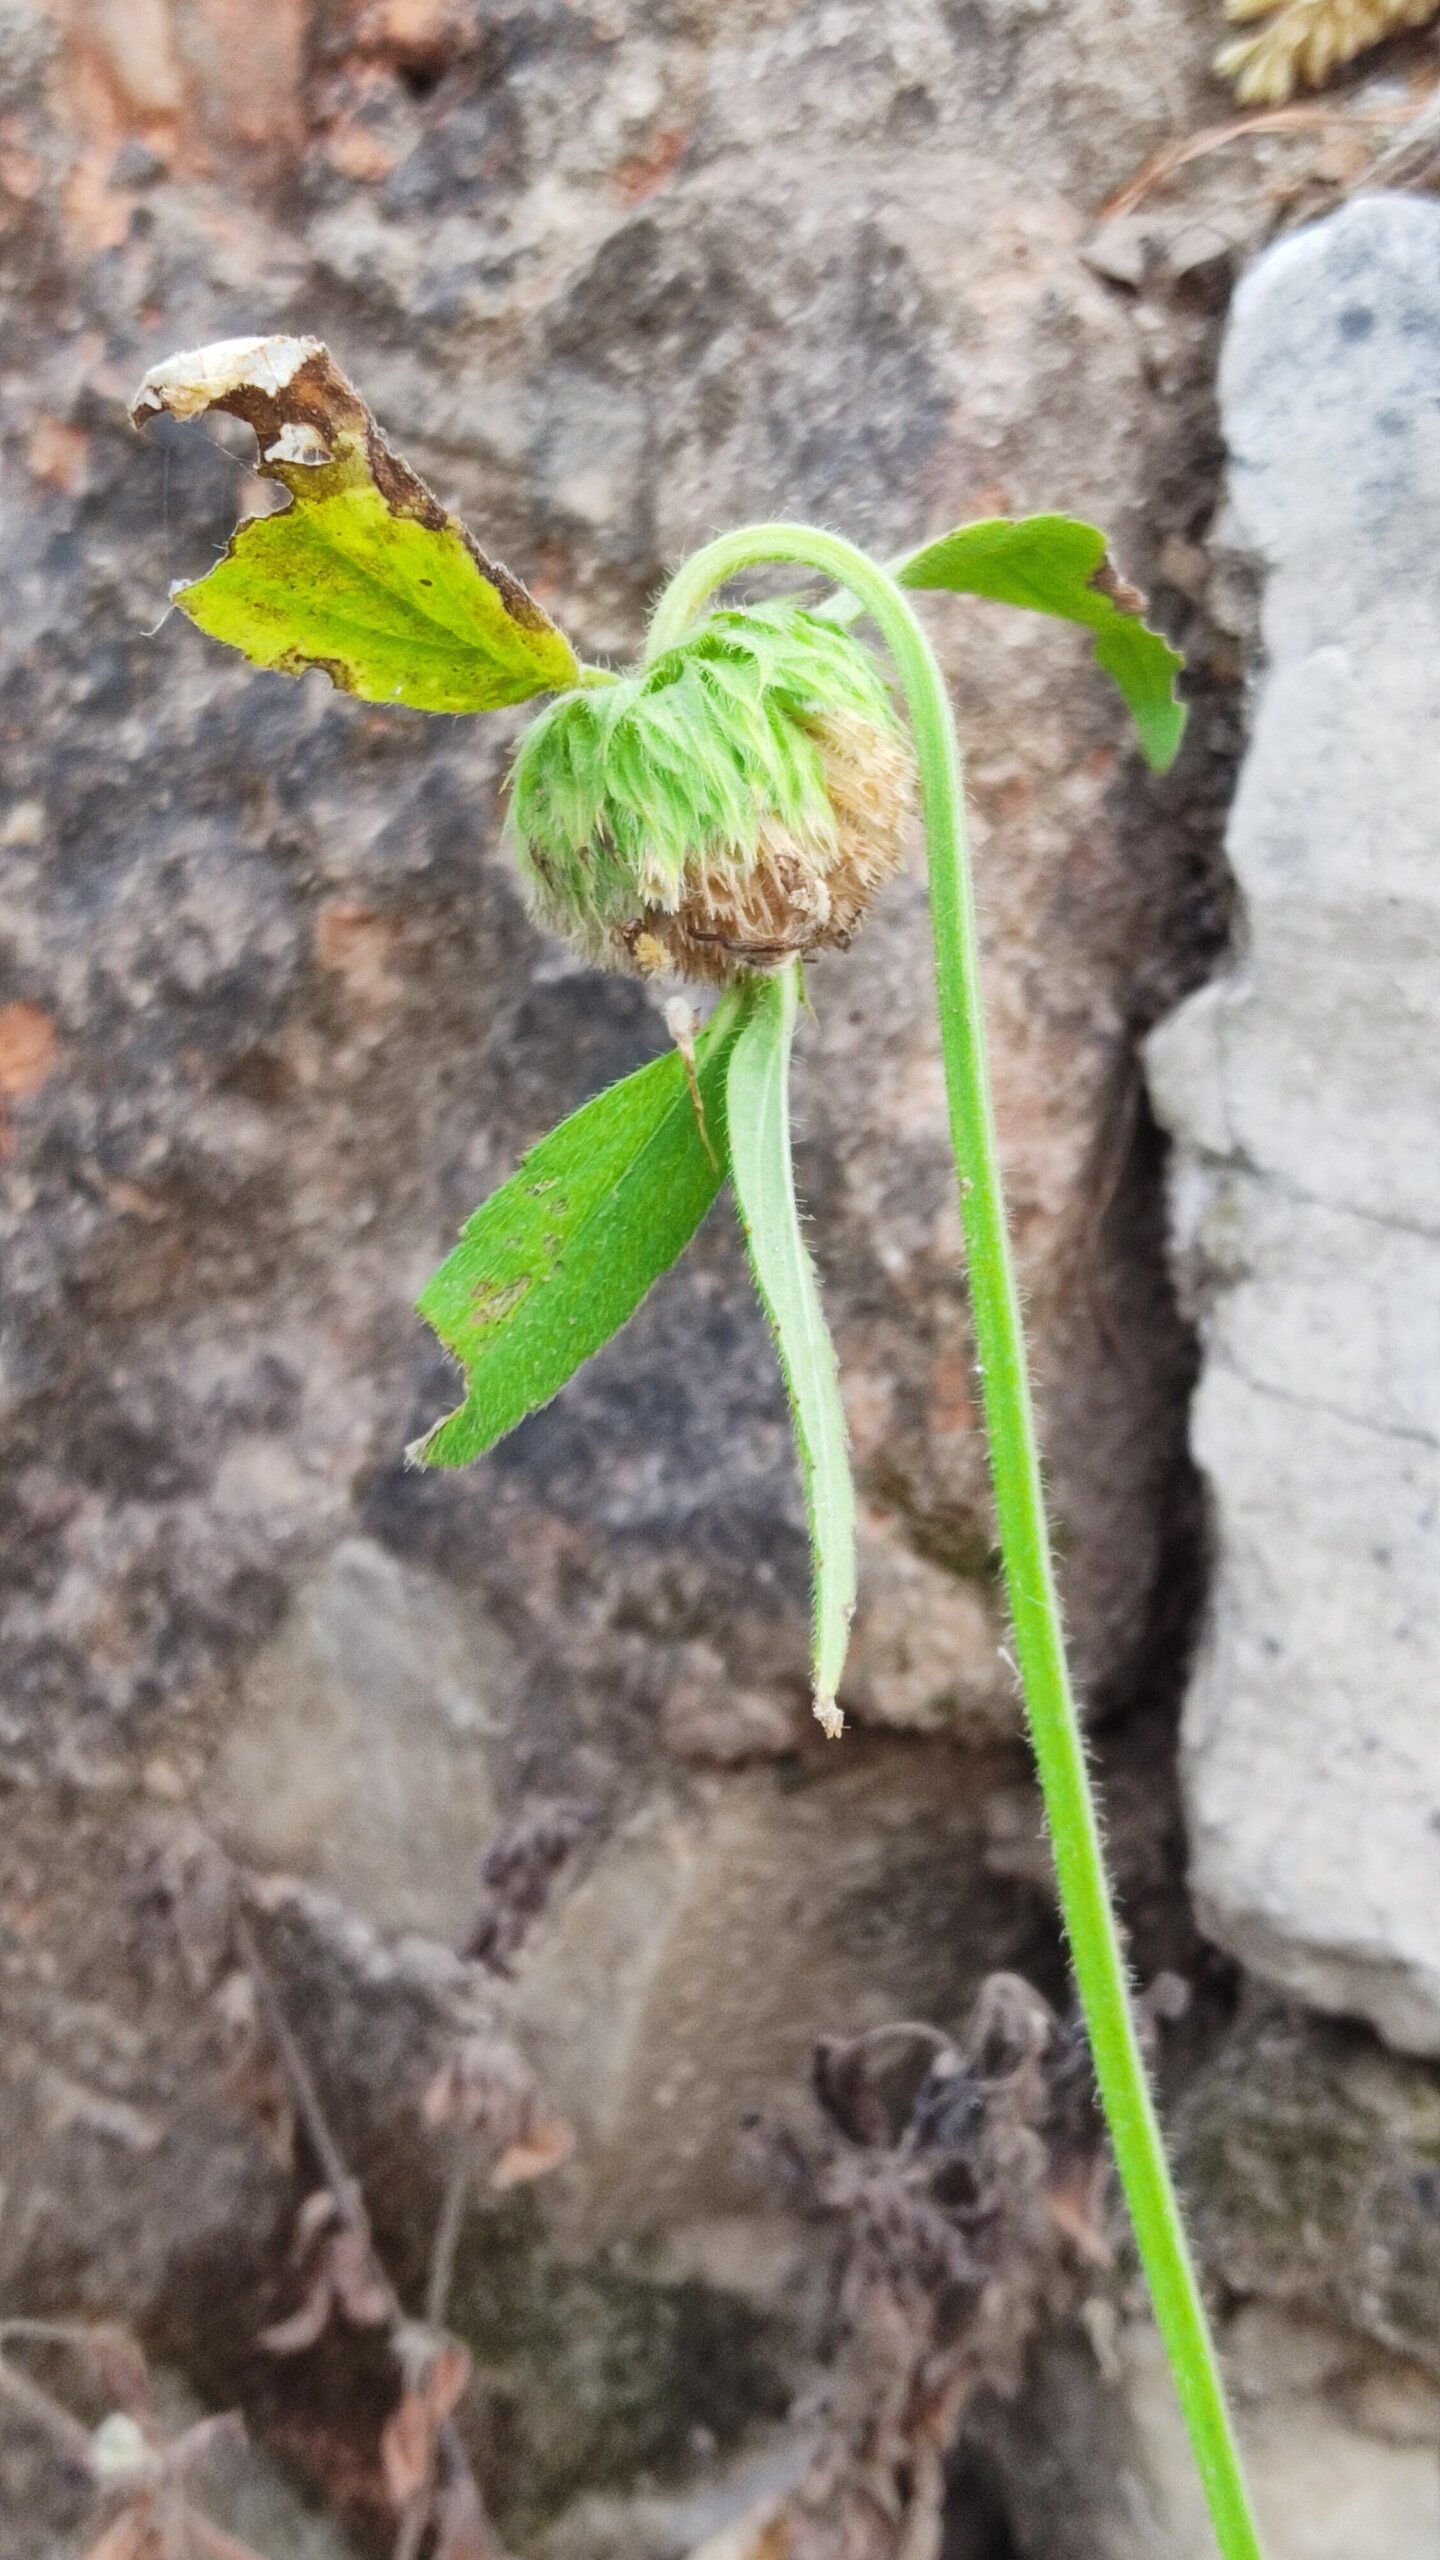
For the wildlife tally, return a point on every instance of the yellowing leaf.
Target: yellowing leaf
(364, 574)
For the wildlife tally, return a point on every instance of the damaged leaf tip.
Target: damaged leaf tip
(202, 378)
(365, 574)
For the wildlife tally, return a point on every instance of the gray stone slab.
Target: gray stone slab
(1303, 1091)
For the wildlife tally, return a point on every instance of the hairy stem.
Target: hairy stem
(1056, 1735)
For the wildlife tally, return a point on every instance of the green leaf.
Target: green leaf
(560, 1258)
(1056, 564)
(364, 574)
(761, 1170)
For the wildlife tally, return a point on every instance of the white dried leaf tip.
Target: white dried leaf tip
(187, 385)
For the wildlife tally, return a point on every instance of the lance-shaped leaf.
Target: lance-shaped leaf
(560, 1259)
(364, 573)
(761, 1170)
(1057, 565)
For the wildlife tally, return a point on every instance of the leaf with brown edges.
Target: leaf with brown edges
(365, 574)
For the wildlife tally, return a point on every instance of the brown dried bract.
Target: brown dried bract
(794, 899)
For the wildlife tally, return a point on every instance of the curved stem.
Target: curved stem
(1056, 1735)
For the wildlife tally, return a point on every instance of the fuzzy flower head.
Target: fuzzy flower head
(731, 805)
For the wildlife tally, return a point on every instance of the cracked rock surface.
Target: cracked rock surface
(614, 273)
(1303, 1089)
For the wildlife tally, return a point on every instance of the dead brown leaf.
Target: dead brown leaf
(291, 2336)
(948, 2170)
(407, 2448)
(343, 2278)
(1107, 581)
(546, 2145)
(437, 2369)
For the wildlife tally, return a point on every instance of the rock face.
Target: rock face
(272, 1019)
(1303, 1090)
(1342, 2450)
(1308, 2155)
(281, 1020)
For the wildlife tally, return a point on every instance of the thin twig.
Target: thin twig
(45, 2413)
(345, 2190)
(45, 2333)
(453, 2207)
(350, 2205)
(1163, 164)
(419, 2512)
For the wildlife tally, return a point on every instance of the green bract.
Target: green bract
(758, 1129)
(732, 804)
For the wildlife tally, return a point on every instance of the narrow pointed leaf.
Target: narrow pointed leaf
(364, 574)
(559, 1259)
(1058, 565)
(761, 1170)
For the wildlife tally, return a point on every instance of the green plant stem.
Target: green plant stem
(1056, 1734)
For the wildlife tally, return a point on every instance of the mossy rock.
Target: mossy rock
(1310, 2159)
(600, 2374)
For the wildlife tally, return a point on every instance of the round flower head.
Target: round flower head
(732, 804)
